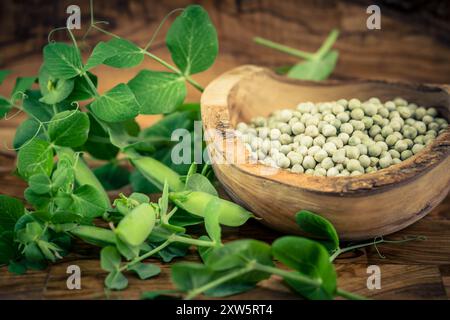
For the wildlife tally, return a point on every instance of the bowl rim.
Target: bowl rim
(403, 172)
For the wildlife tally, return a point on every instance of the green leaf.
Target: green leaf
(63, 61)
(116, 105)
(112, 176)
(27, 130)
(69, 128)
(35, 157)
(126, 250)
(192, 40)
(81, 89)
(158, 92)
(39, 201)
(35, 108)
(238, 253)
(5, 106)
(212, 224)
(11, 209)
(159, 294)
(140, 184)
(117, 52)
(116, 281)
(188, 276)
(318, 226)
(8, 248)
(17, 267)
(86, 200)
(40, 183)
(53, 90)
(145, 270)
(198, 182)
(126, 54)
(3, 75)
(110, 259)
(309, 258)
(316, 70)
(22, 85)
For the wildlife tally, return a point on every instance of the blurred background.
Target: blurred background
(413, 43)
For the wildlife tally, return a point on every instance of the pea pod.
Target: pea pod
(195, 202)
(94, 235)
(136, 226)
(156, 172)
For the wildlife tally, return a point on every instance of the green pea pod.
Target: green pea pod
(136, 226)
(156, 172)
(94, 235)
(195, 202)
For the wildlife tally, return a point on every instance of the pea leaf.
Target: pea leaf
(81, 89)
(109, 259)
(86, 200)
(198, 182)
(145, 270)
(126, 250)
(3, 75)
(239, 253)
(35, 157)
(11, 210)
(116, 281)
(63, 61)
(112, 176)
(27, 130)
(187, 275)
(22, 85)
(117, 52)
(309, 258)
(316, 70)
(53, 90)
(192, 40)
(212, 224)
(38, 201)
(40, 183)
(98, 143)
(5, 106)
(8, 248)
(35, 108)
(158, 92)
(118, 104)
(318, 226)
(126, 54)
(69, 128)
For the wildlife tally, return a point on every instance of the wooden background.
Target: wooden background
(413, 45)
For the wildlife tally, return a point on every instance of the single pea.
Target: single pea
(410, 132)
(298, 128)
(320, 172)
(354, 103)
(344, 137)
(370, 109)
(364, 161)
(293, 120)
(346, 128)
(313, 121)
(357, 124)
(385, 162)
(343, 117)
(327, 163)
(275, 134)
(384, 112)
(391, 140)
(285, 115)
(433, 126)
(353, 165)
(285, 149)
(400, 102)
(354, 140)
(406, 154)
(338, 108)
(370, 169)
(376, 129)
(417, 148)
(261, 155)
(309, 162)
(390, 105)
(374, 150)
(284, 128)
(303, 150)
(432, 112)
(409, 143)
(312, 131)
(283, 162)
(410, 121)
(378, 120)
(378, 137)
(275, 144)
(328, 130)
(352, 152)
(332, 172)
(401, 146)
(259, 121)
(387, 130)
(265, 146)
(242, 127)
(383, 145)
(295, 157)
(368, 122)
(344, 173)
(419, 139)
(374, 161)
(297, 168)
(320, 155)
(394, 115)
(339, 156)
(357, 114)
(427, 119)
(395, 124)
(319, 140)
(306, 141)
(285, 138)
(330, 148)
(337, 142)
(313, 150)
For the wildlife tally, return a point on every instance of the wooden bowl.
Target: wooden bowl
(360, 207)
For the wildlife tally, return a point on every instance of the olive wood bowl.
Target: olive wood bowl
(360, 207)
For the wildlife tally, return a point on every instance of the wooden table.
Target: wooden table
(414, 270)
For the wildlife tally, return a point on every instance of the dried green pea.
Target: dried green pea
(417, 148)
(406, 154)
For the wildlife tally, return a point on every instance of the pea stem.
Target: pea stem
(195, 242)
(277, 46)
(326, 46)
(195, 292)
(289, 274)
(146, 255)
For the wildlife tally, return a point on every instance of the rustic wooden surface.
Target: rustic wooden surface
(415, 270)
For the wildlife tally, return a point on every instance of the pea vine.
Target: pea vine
(69, 118)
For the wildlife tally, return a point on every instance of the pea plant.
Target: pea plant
(67, 118)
